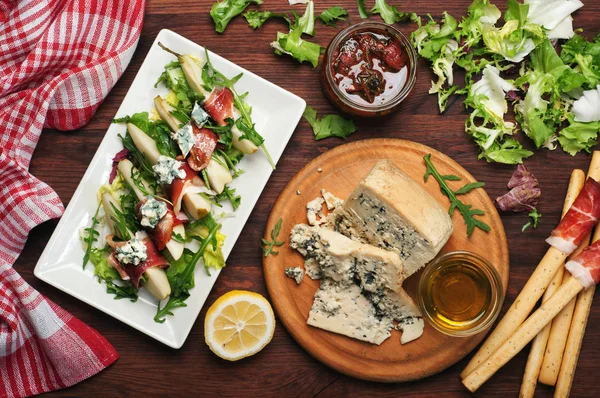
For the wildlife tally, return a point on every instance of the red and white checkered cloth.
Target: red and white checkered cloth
(58, 61)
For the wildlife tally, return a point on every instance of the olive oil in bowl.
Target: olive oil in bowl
(460, 293)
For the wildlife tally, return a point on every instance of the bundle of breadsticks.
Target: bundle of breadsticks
(558, 325)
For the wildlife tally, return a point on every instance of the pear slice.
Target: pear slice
(164, 110)
(196, 206)
(125, 167)
(218, 175)
(144, 143)
(192, 70)
(157, 283)
(245, 145)
(174, 247)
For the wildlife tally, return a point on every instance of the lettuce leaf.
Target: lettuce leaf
(578, 137)
(328, 125)
(332, 15)
(554, 15)
(256, 19)
(390, 14)
(587, 107)
(292, 43)
(224, 11)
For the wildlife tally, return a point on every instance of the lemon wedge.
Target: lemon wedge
(239, 324)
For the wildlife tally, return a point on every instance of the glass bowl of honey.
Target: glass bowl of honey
(460, 294)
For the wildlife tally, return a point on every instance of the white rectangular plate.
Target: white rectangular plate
(276, 113)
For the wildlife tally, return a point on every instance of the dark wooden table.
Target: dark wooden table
(283, 368)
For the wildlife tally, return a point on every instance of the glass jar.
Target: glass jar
(460, 294)
(400, 86)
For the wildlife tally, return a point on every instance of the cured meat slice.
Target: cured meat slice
(112, 260)
(153, 259)
(219, 105)
(205, 142)
(585, 267)
(579, 220)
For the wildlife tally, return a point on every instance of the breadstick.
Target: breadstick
(536, 355)
(561, 324)
(573, 346)
(523, 335)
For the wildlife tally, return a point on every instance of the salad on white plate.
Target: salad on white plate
(157, 215)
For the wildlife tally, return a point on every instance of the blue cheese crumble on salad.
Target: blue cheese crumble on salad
(184, 137)
(152, 211)
(156, 218)
(167, 169)
(132, 252)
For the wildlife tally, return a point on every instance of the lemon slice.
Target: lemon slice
(239, 324)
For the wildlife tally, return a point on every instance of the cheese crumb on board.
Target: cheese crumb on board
(295, 273)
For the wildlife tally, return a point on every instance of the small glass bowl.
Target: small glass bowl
(489, 314)
(345, 104)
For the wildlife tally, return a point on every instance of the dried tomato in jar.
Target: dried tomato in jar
(370, 69)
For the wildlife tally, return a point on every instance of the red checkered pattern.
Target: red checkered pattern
(58, 61)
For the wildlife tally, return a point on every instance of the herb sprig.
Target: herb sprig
(466, 210)
(92, 236)
(270, 245)
(535, 218)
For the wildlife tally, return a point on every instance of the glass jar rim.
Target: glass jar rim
(495, 280)
(412, 70)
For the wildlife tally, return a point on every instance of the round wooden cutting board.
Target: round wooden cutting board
(339, 171)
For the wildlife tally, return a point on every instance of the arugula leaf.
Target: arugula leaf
(362, 9)
(224, 11)
(391, 15)
(91, 237)
(328, 125)
(535, 218)
(330, 16)
(257, 18)
(174, 302)
(268, 246)
(230, 194)
(466, 210)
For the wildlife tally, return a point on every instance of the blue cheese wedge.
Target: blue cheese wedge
(133, 252)
(184, 138)
(167, 169)
(346, 261)
(391, 210)
(360, 294)
(295, 273)
(345, 310)
(152, 211)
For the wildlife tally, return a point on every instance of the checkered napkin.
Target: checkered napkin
(58, 61)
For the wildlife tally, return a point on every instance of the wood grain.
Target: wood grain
(341, 170)
(284, 369)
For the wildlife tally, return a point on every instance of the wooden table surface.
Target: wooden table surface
(149, 368)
